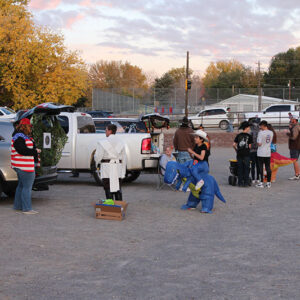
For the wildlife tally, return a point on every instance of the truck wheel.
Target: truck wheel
(223, 125)
(131, 176)
(97, 176)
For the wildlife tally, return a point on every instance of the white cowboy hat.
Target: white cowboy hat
(201, 134)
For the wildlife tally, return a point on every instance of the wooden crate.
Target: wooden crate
(109, 212)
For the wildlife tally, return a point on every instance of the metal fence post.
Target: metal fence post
(112, 99)
(175, 98)
(153, 99)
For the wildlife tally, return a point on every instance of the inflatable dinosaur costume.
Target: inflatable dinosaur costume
(190, 176)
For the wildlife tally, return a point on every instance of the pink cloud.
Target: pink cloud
(72, 20)
(44, 4)
(88, 3)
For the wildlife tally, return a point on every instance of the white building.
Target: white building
(243, 102)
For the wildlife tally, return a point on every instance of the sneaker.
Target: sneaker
(296, 177)
(30, 212)
(268, 185)
(186, 207)
(260, 185)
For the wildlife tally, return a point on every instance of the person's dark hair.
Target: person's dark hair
(112, 128)
(274, 140)
(263, 123)
(24, 128)
(184, 122)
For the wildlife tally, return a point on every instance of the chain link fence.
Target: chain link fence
(172, 101)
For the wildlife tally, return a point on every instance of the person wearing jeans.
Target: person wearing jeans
(183, 140)
(24, 155)
(23, 191)
(264, 140)
(230, 117)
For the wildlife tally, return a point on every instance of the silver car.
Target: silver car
(8, 177)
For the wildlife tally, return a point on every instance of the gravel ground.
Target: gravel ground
(248, 248)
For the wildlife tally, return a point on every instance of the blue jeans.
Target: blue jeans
(243, 164)
(183, 156)
(23, 191)
(230, 127)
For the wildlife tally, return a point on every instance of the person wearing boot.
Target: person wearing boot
(110, 154)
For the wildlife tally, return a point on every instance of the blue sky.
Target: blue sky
(156, 34)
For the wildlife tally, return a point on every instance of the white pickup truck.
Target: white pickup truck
(78, 153)
(276, 114)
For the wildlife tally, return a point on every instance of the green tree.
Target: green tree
(162, 89)
(179, 75)
(283, 67)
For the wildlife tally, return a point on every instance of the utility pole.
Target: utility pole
(259, 88)
(290, 89)
(186, 89)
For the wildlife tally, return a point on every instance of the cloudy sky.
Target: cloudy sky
(155, 34)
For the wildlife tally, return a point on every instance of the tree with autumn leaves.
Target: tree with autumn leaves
(35, 66)
(118, 77)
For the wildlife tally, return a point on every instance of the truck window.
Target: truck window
(85, 124)
(101, 126)
(133, 126)
(297, 107)
(64, 123)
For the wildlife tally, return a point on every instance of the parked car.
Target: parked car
(8, 177)
(7, 113)
(142, 148)
(100, 114)
(211, 117)
(276, 114)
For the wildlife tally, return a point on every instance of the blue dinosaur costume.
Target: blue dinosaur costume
(190, 175)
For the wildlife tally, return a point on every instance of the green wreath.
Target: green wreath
(40, 124)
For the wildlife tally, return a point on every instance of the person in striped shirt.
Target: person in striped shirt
(24, 154)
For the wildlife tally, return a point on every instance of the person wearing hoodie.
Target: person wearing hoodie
(253, 151)
(183, 140)
(242, 145)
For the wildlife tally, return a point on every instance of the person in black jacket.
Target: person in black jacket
(24, 155)
(242, 145)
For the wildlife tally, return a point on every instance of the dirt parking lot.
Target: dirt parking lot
(248, 248)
